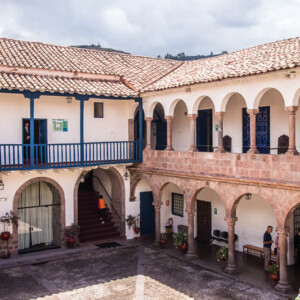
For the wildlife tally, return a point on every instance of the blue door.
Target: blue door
(262, 130)
(161, 134)
(147, 213)
(204, 130)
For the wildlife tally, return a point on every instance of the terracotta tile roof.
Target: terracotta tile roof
(274, 56)
(137, 70)
(59, 84)
(43, 67)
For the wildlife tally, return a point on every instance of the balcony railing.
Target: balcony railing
(47, 156)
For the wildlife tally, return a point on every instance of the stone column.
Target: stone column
(283, 285)
(192, 118)
(231, 266)
(220, 116)
(191, 241)
(292, 128)
(169, 133)
(157, 206)
(252, 113)
(148, 120)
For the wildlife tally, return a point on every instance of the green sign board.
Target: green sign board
(215, 211)
(60, 125)
(217, 127)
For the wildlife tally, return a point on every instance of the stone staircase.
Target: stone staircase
(91, 229)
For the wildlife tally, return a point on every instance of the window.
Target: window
(98, 110)
(177, 204)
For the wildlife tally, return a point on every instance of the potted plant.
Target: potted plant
(274, 272)
(181, 240)
(163, 240)
(8, 219)
(71, 235)
(136, 224)
(130, 220)
(222, 254)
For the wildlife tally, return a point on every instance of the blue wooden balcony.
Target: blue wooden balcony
(53, 156)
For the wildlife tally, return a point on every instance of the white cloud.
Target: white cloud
(152, 27)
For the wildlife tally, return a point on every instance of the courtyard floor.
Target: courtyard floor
(135, 270)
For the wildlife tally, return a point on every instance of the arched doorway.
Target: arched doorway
(210, 214)
(39, 210)
(108, 183)
(159, 128)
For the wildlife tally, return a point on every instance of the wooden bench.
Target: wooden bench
(249, 249)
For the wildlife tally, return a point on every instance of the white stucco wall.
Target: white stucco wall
(166, 211)
(113, 127)
(180, 128)
(133, 208)
(233, 122)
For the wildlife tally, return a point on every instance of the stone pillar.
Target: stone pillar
(169, 133)
(292, 128)
(157, 206)
(191, 243)
(148, 120)
(283, 285)
(220, 116)
(231, 266)
(252, 113)
(192, 118)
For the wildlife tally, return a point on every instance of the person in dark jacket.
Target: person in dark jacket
(267, 246)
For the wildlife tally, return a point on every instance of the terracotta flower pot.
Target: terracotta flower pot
(5, 254)
(136, 230)
(184, 247)
(70, 243)
(5, 235)
(274, 277)
(162, 243)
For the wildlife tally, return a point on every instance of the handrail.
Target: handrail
(111, 202)
(45, 156)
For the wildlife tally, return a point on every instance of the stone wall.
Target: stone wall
(281, 169)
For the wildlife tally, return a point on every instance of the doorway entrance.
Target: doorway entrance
(296, 228)
(40, 218)
(40, 139)
(147, 213)
(203, 222)
(204, 130)
(262, 130)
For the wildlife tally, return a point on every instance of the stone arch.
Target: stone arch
(171, 109)
(200, 185)
(296, 98)
(135, 179)
(271, 196)
(150, 110)
(16, 198)
(197, 103)
(133, 109)
(260, 95)
(289, 207)
(227, 98)
(113, 174)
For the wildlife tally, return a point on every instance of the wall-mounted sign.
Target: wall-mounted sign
(60, 125)
(217, 127)
(215, 211)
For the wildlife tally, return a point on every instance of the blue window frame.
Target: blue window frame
(177, 204)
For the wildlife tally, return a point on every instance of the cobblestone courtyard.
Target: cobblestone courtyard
(136, 272)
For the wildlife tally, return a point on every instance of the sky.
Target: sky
(152, 27)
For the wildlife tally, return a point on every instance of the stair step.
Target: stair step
(94, 237)
(96, 231)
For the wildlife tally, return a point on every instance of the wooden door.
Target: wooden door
(203, 222)
(204, 130)
(147, 213)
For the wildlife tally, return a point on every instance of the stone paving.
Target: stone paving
(135, 272)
